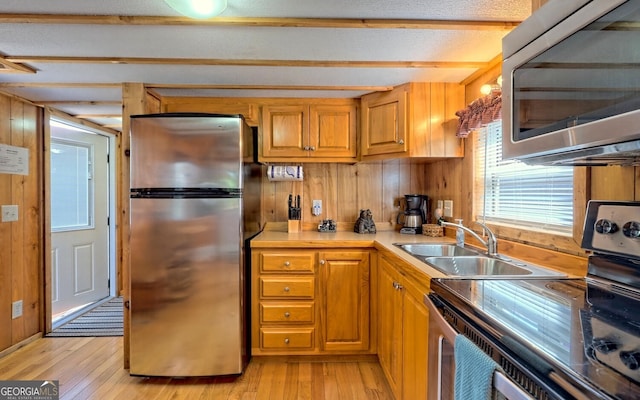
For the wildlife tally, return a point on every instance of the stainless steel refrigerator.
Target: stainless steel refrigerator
(195, 203)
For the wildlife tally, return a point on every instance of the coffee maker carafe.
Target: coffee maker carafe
(415, 213)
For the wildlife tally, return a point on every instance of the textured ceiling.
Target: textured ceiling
(81, 60)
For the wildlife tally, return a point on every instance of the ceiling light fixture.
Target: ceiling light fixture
(198, 8)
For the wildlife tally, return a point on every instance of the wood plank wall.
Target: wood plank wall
(21, 265)
(345, 190)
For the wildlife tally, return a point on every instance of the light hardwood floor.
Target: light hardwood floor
(91, 368)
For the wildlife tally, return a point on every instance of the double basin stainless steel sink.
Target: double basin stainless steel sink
(464, 262)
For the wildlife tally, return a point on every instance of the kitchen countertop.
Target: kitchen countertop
(343, 239)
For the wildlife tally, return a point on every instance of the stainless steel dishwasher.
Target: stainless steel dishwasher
(442, 364)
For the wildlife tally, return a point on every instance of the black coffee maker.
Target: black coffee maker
(415, 213)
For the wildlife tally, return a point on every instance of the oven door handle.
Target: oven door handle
(510, 390)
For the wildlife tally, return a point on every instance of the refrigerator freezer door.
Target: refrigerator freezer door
(187, 283)
(186, 151)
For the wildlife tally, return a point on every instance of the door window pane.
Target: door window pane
(70, 185)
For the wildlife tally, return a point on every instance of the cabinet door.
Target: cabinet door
(345, 300)
(332, 131)
(390, 324)
(384, 122)
(415, 335)
(285, 131)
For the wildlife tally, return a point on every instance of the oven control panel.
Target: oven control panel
(616, 348)
(613, 227)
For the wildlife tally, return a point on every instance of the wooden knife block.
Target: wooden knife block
(294, 226)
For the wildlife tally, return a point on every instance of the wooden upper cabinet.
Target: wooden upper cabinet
(384, 122)
(285, 131)
(248, 108)
(332, 131)
(309, 132)
(412, 120)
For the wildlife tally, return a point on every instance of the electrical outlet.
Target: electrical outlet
(316, 208)
(16, 309)
(440, 204)
(9, 213)
(448, 208)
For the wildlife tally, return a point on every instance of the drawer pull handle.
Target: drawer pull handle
(286, 341)
(287, 263)
(286, 289)
(287, 314)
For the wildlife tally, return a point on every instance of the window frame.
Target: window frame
(570, 244)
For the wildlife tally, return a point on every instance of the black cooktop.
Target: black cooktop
(586, 330)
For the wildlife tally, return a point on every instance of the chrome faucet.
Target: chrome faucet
(491, 243)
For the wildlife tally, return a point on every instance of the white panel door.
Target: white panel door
(79, 217)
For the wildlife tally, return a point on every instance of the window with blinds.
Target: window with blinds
(512, 193)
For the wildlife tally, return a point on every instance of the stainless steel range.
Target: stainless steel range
(562, 338)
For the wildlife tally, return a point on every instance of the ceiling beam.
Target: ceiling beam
(177, 86)
(266, 87)
(260, 22)
(61, 85)
(80, 103)
(246, 62)
(88, 116)
(10, 67)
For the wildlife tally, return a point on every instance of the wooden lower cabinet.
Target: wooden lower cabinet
(307, 301)
(403, 327)
(344, 317)
(390, 324)
(415, 351)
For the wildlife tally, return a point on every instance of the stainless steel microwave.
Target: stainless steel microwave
(571, 84)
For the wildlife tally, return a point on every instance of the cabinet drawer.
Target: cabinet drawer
(287, 312)
(279, 262)
(281, 339)
(287, 287)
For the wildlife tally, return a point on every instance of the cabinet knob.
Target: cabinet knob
(322, 262)
(312, 148)
(286, 341)
(306, 148)
(287, 314)
(286, 289)
(401, 141)
(287, 263)
(397, 286)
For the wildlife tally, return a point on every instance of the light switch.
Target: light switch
(9, 213)
(448, 208)
(16, 309)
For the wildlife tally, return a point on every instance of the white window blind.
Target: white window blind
(520, 195)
